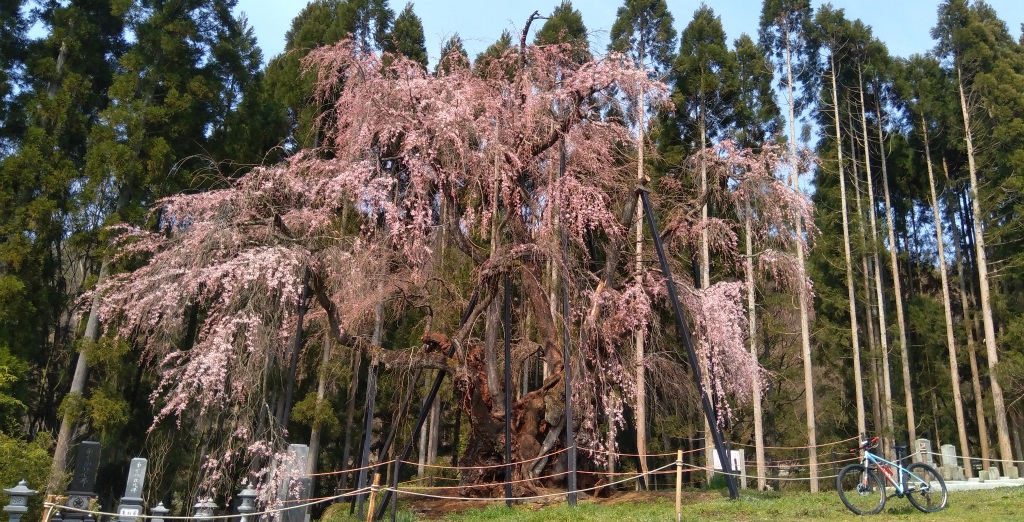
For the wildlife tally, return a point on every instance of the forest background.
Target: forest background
(911, 325)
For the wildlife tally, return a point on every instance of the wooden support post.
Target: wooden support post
(570, 437)
(373, 496)
(679, 485)
(506, 320)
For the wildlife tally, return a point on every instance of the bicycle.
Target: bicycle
(862, 490)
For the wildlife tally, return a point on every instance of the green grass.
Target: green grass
(989, 505)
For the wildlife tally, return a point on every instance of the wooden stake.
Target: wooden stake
(373, 497)
(679, 485)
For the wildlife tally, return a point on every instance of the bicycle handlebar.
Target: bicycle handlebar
(864, 445)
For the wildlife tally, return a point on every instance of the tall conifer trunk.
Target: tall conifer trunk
(805, 331)
(954, 369)
(968, 320)
(68, 422)
(639, 337)
(858, 379)
(894, 267)
(350, 409)
(879, 293)
(762, 483)
(705, 275)
(876, 401)
(1002, 431)
(321, 394)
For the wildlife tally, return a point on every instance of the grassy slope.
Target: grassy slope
(989, 505)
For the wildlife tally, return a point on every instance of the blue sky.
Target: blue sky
(903, 25)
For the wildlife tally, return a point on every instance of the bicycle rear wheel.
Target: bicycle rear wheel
(925, 488)
(861, 490)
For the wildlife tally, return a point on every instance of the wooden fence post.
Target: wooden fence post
(679, 485)
(373, 497)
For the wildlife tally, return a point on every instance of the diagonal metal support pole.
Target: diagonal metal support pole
(684, 332)
(425, 410)
(364, 459)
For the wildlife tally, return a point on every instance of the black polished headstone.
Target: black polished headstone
(83, 481)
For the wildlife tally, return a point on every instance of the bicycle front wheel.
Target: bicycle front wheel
(861, 490)
(925, 488)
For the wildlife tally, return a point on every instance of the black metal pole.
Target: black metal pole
(425, 409)
(570, 438)
(506, 320)
(684, 332)
(364, 459)
(402, 411)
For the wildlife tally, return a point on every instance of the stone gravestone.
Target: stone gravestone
(924, 452)
(83, 481)
(131, 503)
(295, 488)
(950, 469)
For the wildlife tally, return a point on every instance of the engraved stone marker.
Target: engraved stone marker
(924, 452)
(131, 503)
(88, 461)
(83, 481)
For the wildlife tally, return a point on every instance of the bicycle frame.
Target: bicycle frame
(899, 482)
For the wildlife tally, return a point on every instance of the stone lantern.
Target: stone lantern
(246, 504)
(159, 512)
(204, 509)
(19, 500)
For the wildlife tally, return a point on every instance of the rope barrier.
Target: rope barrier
(827, 444)
(495, 484)
(424, 479)
(653, 455)
(212, 517)
(489, 466)
(990, 459)
(734, 474)
(580, 448)
(353, 470)
(663, 470)
(531, 497)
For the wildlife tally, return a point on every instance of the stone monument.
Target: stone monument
(950, 469)
(83, 481)
(924, 452)
(131, 504)
(295, 487)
